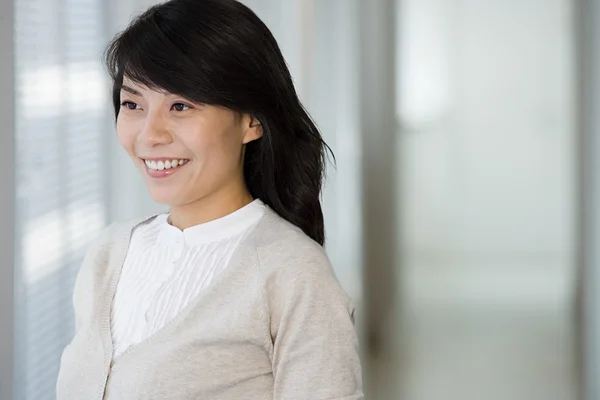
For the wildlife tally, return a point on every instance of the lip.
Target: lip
(165, 173)
(161, 158)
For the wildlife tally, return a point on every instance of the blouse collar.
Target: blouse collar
(221, 228)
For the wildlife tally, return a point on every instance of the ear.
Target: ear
(253, 129)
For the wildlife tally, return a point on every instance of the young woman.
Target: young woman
(230, 295)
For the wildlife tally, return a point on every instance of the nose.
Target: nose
(155, 130)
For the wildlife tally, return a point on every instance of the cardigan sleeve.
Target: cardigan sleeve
(315, 347)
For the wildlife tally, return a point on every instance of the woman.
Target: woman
(230, 295)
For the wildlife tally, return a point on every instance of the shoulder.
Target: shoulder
(302, 295)
(120, 231)
(279, 243)
(290, 261)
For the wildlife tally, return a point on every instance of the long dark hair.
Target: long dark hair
(219, 52)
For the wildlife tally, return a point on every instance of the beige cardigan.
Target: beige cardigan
(274, 325)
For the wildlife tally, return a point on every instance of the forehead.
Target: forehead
(135, 88)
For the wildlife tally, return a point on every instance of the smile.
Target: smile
(162, 165)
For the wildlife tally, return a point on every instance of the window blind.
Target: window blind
(61, 156)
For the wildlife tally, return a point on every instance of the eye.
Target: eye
(180, 107)
(130, 105)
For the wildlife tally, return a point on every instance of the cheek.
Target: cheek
(220, 151)
(206, 144)
(126, 134)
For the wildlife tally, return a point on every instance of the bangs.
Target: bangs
(152, 53)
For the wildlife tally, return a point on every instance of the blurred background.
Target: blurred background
(462, 218)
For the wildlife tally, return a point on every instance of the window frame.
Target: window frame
(7, 201)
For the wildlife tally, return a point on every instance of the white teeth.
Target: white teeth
(162, 165)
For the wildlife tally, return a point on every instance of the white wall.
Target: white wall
(487, 198)
(487, 111)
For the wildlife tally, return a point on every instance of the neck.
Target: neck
(209, 208)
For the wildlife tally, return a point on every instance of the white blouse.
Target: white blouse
(165, 268)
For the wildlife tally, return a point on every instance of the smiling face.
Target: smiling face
(185, 151)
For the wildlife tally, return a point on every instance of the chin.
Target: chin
(164, 197)
(168, 198)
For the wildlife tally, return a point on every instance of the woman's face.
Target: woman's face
(184, 150)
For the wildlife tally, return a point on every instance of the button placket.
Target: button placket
(178, 246)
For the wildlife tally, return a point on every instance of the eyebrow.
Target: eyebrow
(130, 90)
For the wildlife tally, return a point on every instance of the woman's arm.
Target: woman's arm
(315, 345)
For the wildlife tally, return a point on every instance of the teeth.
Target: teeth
(162, 165)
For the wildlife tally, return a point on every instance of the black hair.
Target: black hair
(219, 52)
